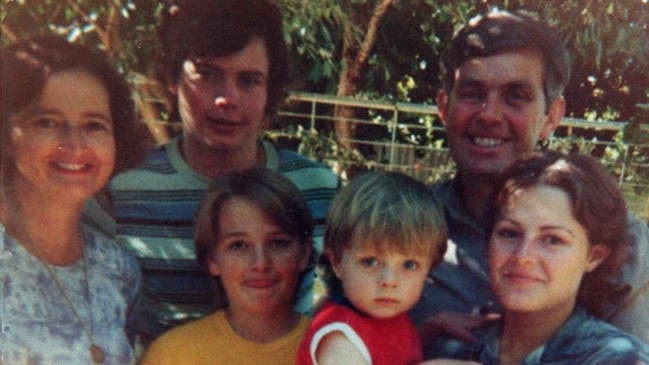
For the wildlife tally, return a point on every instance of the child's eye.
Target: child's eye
(236, 246)
(369, 261)
(281, 243)
(411, 265)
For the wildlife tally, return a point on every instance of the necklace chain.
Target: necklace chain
(96, 353)
(89, 332)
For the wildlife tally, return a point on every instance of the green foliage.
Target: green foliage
(124, 29)
(609, 42)
(608, 39)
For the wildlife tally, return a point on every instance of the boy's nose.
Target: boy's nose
(388, 277)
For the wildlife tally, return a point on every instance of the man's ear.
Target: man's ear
(555, 115)
(596, 255)
(442, 105)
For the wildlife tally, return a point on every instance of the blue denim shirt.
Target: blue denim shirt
(581, 340)
(461, 282)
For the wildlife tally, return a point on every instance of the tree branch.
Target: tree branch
(8, 32)
(372, 31)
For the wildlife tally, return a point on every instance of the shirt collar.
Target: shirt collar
(448, 194)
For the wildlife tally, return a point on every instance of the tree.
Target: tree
(380, 49)
(355, 56)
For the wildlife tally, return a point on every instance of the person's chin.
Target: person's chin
(487, 167)
(222, 143)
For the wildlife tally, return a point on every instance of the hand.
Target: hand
(454, 324)
(449, 362)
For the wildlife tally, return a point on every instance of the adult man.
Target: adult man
(503, 78)
(225, 64)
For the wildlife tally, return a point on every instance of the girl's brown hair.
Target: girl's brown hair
(273, 193)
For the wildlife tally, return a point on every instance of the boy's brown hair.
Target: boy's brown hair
(394, 211)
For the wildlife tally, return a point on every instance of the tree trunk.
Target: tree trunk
(355, 58)
(144, 92)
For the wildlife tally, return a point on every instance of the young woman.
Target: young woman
(253, 234)
(67, 288)
(557, 240)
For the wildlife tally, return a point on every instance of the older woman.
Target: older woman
(67, 288)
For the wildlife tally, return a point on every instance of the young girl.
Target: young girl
(253, 233)
(384, 233)
(557, 239)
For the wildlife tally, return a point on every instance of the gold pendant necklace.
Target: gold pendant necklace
(96, 352)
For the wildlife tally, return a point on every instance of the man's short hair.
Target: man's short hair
(502, 31)
(192, 29)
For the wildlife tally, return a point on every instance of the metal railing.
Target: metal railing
(389, 125)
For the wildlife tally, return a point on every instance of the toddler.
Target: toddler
(384, 233)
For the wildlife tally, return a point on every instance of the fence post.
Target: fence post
(624, 163)
(314, 104)
(393, 142)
